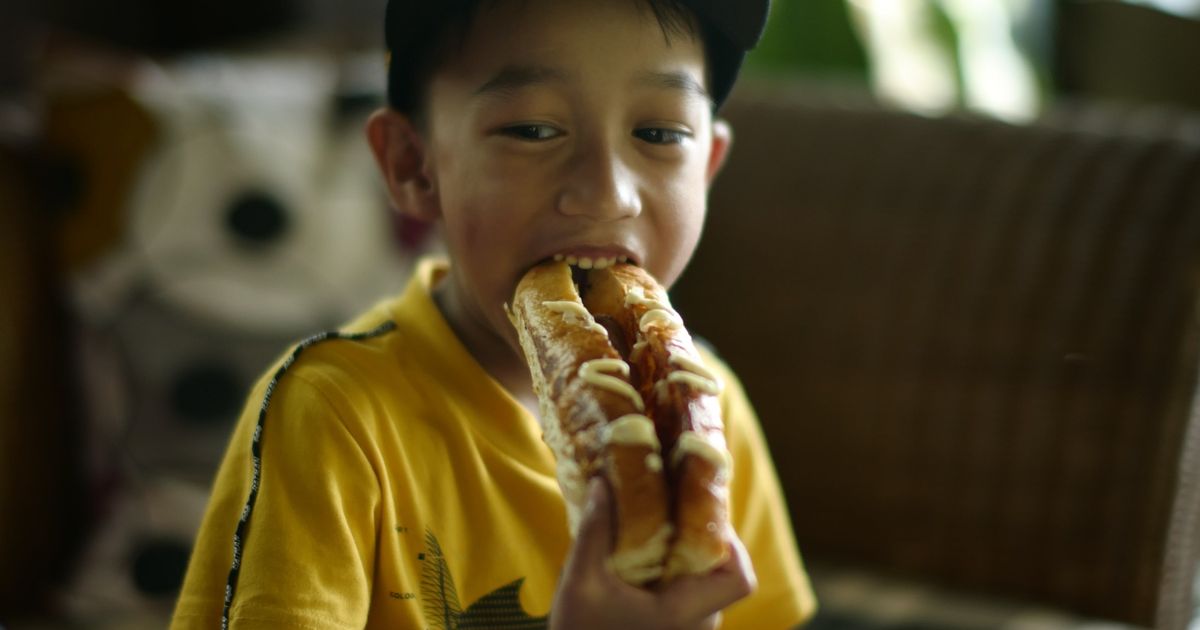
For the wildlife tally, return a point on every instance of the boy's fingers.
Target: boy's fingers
(699, 597)
(593, 541)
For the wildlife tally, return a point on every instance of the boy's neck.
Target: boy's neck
(493, 353)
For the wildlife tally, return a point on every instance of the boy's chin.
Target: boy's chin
(508, 335)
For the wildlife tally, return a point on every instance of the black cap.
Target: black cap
(412, 28)
(732, 27)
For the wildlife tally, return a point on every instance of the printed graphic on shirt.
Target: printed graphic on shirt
(439, 599)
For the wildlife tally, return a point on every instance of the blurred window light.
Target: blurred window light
(932, 56)
(997, 79)
(1182, 8)
(908, 66)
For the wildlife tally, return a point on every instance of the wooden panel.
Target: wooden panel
(43, 514)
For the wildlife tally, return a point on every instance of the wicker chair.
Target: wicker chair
(973, 345)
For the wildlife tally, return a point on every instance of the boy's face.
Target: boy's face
(565, 127)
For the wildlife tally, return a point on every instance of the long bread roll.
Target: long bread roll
(623, 393)
(681, 397)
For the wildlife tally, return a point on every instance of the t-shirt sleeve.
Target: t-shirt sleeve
(308, 547)
(784, 598)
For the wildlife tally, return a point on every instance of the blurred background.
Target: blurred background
(978, 210)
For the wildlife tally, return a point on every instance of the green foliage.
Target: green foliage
(809, 37)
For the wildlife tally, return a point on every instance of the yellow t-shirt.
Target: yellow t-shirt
(380, 478)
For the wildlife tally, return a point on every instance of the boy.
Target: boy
(393, 476)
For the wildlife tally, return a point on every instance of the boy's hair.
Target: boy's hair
(418, 33)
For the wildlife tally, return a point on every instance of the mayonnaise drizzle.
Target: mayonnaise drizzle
(690, 443)
(637, 296)
(633, 428)
(574, 312)
(657, 311)
(658, 315)
(660, 391)
(693, 373)
(678, 359)
(638, 348)
(593, 372)
(708, 386)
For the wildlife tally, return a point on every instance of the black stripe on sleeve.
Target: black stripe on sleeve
(239, 535)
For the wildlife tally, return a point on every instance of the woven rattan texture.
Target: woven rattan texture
(973, 345)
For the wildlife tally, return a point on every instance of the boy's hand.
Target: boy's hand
(590, 595)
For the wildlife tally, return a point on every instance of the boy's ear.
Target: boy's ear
(722, 140)
(400, 152)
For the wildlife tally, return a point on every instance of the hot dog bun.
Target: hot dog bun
(681, 396)
(660, 441)
(593, 429)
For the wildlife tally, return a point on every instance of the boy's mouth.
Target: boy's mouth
(583, 259)
(581, 263)
(588, 262)
(579, 276)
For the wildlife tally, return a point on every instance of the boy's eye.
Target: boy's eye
(659, 135)
(533, 133)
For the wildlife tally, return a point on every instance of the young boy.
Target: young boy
(393, 475)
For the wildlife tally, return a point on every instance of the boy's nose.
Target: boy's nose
(599, 185)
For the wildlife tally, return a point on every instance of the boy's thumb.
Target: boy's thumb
(593, 540)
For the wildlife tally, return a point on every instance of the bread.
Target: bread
(619, 384)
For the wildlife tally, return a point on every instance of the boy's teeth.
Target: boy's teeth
(587, 262)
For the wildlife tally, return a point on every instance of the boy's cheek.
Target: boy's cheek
(519, 174)
(683, 199)
(482, 237)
